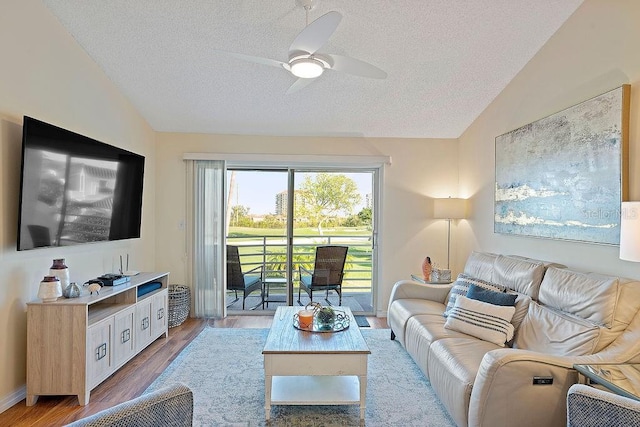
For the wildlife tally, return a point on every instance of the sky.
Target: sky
(258, 189)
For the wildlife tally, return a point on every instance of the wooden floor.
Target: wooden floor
(133, 378)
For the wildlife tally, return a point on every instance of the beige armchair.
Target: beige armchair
(170, 406)
(591, 407)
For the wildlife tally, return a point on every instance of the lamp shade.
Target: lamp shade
(630, 231)
(449, 208)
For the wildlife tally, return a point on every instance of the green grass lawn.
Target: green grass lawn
(298, 232)
(254, 242)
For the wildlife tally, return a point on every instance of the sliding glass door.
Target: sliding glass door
(257, 218)
(278, 217)
(334, 208)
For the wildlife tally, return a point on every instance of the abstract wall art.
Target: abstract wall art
(564, 176)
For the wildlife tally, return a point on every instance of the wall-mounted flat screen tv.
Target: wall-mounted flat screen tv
(75, 189)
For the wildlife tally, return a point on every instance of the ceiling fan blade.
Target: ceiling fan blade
(299, 84)
(316, 34)
(254, 59)
(356, 67)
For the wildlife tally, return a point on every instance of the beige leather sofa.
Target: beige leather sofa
(562, 317)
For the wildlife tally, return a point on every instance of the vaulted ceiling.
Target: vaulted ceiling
(446, 61)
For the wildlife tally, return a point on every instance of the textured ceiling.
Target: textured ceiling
(446, 61)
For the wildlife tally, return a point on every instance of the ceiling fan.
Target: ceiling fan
(304, 60)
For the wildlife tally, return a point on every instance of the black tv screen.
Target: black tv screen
(75, 189)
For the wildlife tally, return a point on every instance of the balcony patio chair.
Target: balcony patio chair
(327, 273)
(245, 282)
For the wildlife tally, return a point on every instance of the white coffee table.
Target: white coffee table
(314, 368)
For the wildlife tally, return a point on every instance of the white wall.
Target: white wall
(46, 75)
(421, 169)
(596, 50)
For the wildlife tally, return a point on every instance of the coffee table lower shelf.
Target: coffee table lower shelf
(315, 390)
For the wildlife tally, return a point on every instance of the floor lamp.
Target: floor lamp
(449, 209)
(630, 231)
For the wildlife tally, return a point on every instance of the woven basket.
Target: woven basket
(179, 303)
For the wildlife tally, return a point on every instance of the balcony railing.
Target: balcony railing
(270, 252)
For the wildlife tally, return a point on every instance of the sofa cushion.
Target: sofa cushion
(403, 309)
(522, 307)
(482, 320)
(480, 265)
(422, 330)
(432, 327)
(523, 275)
(461, 287)
(587, 295)
(557, 333)
(452, 366)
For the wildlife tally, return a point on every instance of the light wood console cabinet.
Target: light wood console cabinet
(75, 344)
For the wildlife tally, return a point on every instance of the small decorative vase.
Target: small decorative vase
(49, 289)
(61, 271)
(325, 318)
(426, 268)
(71, 291)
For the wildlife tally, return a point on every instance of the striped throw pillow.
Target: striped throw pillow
(482, 320)
(461, 287)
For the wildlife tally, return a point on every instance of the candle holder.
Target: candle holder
(305, 319)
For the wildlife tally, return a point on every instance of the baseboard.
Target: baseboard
(8, 401)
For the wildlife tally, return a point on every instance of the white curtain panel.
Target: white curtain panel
(206, 251)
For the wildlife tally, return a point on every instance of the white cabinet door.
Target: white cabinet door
(159, 314)
(99, 352)
(123, 342)
(143, 323)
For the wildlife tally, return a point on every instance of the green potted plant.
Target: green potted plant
(325, 317)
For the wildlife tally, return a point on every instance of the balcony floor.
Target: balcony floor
(358, 302)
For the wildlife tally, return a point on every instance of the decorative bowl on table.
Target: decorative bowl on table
(325, 319)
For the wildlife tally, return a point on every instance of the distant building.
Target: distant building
(368, 201)
(257, 218)
(281, 203)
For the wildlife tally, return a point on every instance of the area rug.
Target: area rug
(224, 368)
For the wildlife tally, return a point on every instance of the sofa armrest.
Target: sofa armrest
(170, 406)
(407, 289)
(527, 383)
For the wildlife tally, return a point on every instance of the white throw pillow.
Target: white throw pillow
(482, 320)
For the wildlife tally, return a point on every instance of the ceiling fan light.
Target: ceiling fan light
(306, 68)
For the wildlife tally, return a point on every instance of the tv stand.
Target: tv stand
(75, 344)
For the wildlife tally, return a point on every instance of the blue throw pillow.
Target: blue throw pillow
(491, 297)
(461, 287)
